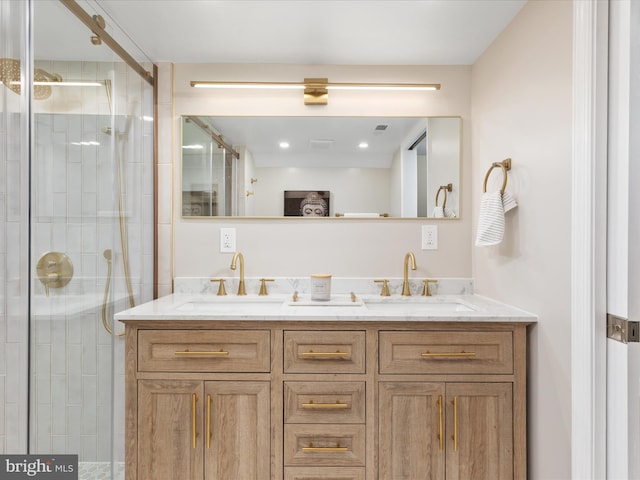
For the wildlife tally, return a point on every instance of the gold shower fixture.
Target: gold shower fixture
(42, 80)
(316, 90)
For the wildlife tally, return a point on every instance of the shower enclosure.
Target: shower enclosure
(77, 237)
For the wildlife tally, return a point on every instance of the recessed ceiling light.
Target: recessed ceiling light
(284, 145)
(363, 145)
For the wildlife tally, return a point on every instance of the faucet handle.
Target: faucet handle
(263, 286)
(385, 287)
(425, 290)
(221, 290)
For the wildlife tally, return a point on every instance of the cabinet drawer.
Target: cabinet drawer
(324, 352)
(444, 352)
(204, 351)
(326, 445)
(324, 473)
(324, 402)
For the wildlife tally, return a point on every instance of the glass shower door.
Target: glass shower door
(91, 248)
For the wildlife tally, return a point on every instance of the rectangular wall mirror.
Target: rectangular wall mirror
(406, 167)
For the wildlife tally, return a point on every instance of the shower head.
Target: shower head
(10, 77)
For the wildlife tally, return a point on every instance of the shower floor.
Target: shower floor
(100, 471)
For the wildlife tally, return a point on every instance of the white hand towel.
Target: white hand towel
(439, 212)
(493, 206)
(508, 202)
(448, 213)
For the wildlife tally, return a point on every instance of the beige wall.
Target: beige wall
(521, 108)
(519, 96)
(343, 247)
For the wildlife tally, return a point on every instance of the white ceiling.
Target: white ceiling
(314, 141)
(330, 32)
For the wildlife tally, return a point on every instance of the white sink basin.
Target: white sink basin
(222, 305)
(258, 305)
(334, 302)
(416, 306)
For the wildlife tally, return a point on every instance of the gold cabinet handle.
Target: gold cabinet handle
(194, 433)
(325, 406)
(455, 424)
(324, 354)
(188, 353)
(312, 449)
(448, 355)
(440, 433)
(208, 421)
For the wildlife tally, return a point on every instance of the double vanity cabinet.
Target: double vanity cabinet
(300, 398)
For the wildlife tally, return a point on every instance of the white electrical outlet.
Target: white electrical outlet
(227, 240)
(429, 237)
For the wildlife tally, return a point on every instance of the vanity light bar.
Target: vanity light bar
(316, 89)
(250, 85)
(328, 86)
(384, 86)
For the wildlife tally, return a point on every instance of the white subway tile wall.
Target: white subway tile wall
(75, 211)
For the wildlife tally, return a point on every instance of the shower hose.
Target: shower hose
(125, 257)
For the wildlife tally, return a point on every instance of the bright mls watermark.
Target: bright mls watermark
(50, 467)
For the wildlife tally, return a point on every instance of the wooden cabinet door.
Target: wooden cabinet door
(169, 448)
(411, 431)
(479, 431)
(238, 424)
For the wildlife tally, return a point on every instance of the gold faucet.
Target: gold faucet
(263, 286)
(241, 288)
(406, 291)
(425, 289)
(385, 287)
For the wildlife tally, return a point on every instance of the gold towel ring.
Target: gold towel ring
(445, 189)
(505, 165)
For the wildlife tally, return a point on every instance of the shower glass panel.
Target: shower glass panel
(91, 249)
(209, 186)
(14, 229)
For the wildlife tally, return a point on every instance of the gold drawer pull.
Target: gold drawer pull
(448, 355)
(194, 432)
(440, 427)
(188, 353)
(209, 421)
(312, 354)
(335, 449)
(325, 406)
(455, 423)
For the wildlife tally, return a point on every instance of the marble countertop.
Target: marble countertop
(367, 307)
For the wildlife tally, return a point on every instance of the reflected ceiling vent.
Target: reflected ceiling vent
(381, 128)
(321, 144)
